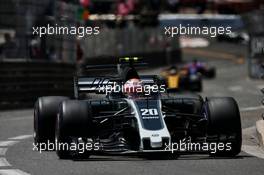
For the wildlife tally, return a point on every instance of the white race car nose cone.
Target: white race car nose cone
(156, 142)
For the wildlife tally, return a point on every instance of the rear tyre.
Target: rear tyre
(199, 86)
(211, 73)
(225, 124)
(45, 112)
(196, 86)
(73, 121)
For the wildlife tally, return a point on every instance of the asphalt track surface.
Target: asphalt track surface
(17, 156)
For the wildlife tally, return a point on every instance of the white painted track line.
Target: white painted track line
(4, 162)
(12, 172)
(15, 119)
(7, 143)
(3, 151)
(20, 137)
(235, 88)
(253, 108)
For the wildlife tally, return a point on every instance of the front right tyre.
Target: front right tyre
(45, 112)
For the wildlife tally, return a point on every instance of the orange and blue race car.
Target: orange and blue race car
(181, 79)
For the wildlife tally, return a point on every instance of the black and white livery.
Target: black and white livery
(119, 122)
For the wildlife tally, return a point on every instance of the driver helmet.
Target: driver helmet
(132, 87)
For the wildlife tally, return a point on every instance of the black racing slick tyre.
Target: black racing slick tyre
(45, 112)
(73, 121)
(211, 73)
(196, 86)
(224, 125)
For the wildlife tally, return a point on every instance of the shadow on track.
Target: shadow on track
(144, 158)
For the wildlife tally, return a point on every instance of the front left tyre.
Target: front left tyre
(210, 73)
(74, 121)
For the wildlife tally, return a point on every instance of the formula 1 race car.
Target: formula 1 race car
(135, 116)
(181, 80)
(200, 67)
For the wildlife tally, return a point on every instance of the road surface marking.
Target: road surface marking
(253, 108)
(20, 137)
(218, 94)
(4, 162)
(254, 92)
(3, 151)
(235, 88)
(7, 143)
(12, 172)
(16, 118)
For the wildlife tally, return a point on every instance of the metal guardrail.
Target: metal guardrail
(23, 82)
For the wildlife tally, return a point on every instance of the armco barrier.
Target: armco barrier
(21, 82)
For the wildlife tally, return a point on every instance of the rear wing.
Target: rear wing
(127, 61)
(114, 66)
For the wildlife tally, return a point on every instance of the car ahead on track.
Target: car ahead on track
(135, 122)
(181, 80)
(200, 67)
